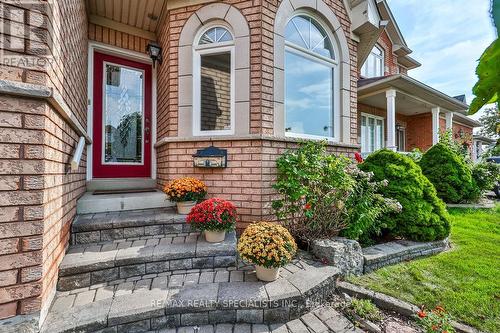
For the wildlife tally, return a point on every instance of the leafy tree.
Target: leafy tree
(491, 128)
(487, 88)
(491, 122)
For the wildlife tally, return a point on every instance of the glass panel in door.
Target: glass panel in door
(123, 114)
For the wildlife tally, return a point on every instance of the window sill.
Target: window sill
(165, 140)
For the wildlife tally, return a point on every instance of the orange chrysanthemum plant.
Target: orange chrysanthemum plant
(186, 189)
(267, 244)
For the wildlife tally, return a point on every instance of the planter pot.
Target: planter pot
(184, 207)
(215, 236)
(267, 274)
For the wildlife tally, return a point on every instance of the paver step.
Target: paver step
(102, 227)
(85, 265)
(162, 301)
(320, 320)
(90, 203)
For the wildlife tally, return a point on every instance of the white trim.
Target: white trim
(127, 54)
(365, 67)
(374, 117)
(154, 121)
(197, 53)
(390, 96)
(435, 124)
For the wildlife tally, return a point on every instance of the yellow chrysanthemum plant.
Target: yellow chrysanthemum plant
(186, 189)
(267, 245)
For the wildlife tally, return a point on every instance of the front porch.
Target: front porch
(400, 113)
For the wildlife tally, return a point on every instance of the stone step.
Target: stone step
(154, 302)
(85, 265)
(110, 226)
(320, 320)
(90, 203)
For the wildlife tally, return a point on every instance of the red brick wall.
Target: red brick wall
(38, 197)
(390, 60)
(251, 168)
(246, 181)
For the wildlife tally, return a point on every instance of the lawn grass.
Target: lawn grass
(465, 280)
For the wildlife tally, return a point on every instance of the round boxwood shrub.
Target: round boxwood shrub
(449, 173)
(423, 216)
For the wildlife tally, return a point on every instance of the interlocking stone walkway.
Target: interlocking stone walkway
(174, 279)
(192, 298)
(321, 320)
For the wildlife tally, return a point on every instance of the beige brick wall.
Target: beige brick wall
(38, 196)
(251, 162)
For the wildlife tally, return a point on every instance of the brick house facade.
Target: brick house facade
(46, 107)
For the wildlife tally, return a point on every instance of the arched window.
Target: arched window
(374, 64)
(213, 75)
(311, 80)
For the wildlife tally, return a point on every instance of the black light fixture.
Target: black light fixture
(154, 51)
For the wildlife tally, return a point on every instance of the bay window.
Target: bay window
(311, 83)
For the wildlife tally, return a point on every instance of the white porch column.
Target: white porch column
(449, 120)
(435, 125)
(391, 119)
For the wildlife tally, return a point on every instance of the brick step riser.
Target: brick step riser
(113, 234)
(80, 280)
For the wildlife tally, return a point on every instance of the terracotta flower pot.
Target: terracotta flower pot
(184, 207)
(215, 236)
(267, 274)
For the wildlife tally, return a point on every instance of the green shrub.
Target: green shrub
(449, 173)
(485, 175)
(364, 207)
(423, 216)
(321, 194)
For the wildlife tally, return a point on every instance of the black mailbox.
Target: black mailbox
(210, 157)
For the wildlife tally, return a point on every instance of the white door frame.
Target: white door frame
(123, 53)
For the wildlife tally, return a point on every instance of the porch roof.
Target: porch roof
(419, 96)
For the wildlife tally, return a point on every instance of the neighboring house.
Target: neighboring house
(480, 144)
(82, 108)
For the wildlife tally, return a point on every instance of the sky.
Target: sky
(447, 37)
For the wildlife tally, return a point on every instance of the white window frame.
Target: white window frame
(365, 69)
(382, 141)
(330, 62)
(211, 49)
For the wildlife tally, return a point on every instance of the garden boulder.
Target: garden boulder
(343, 253)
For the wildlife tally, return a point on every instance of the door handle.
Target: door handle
(146, 131)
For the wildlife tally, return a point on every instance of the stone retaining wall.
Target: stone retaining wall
(381, 255)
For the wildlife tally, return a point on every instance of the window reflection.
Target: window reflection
(123, 114)
(308, 96)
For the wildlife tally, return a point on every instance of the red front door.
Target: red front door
(122, 118)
